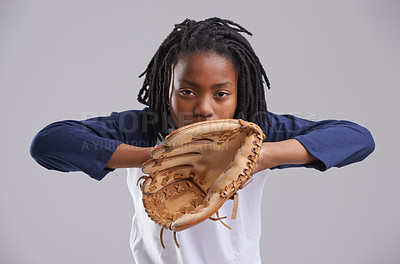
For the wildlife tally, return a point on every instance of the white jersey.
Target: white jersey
(207, 242)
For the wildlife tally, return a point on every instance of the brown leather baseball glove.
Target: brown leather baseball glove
(197, 169)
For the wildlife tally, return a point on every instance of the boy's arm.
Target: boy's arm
(89, 145)
(128, 156)
(293, 141)
(284, 152)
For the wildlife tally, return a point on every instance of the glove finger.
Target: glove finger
(187, 150)
(201, 146)
(163, 163)
(205, 129)
(158, 151)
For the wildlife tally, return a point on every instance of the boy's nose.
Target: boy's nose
(203, 108)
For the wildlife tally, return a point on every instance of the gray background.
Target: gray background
(77, 59)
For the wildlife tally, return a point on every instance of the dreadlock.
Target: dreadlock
(211, 35)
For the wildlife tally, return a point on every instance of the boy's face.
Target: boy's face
(203, 87)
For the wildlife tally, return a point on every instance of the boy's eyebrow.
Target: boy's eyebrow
(189, 82)
(217, 85)
(223, 84)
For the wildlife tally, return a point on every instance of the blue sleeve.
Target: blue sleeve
(335, 143)
(88, 145)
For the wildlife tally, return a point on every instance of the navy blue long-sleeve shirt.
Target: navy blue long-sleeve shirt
(88, 145)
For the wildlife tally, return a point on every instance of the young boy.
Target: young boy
(203, 70)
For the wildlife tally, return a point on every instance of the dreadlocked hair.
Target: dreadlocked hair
(215, 35)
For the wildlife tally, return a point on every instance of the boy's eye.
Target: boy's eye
(186, 92)
(221, 94)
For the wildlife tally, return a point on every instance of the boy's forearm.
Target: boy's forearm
(289, 151)
(272, 154)
(127, 156)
